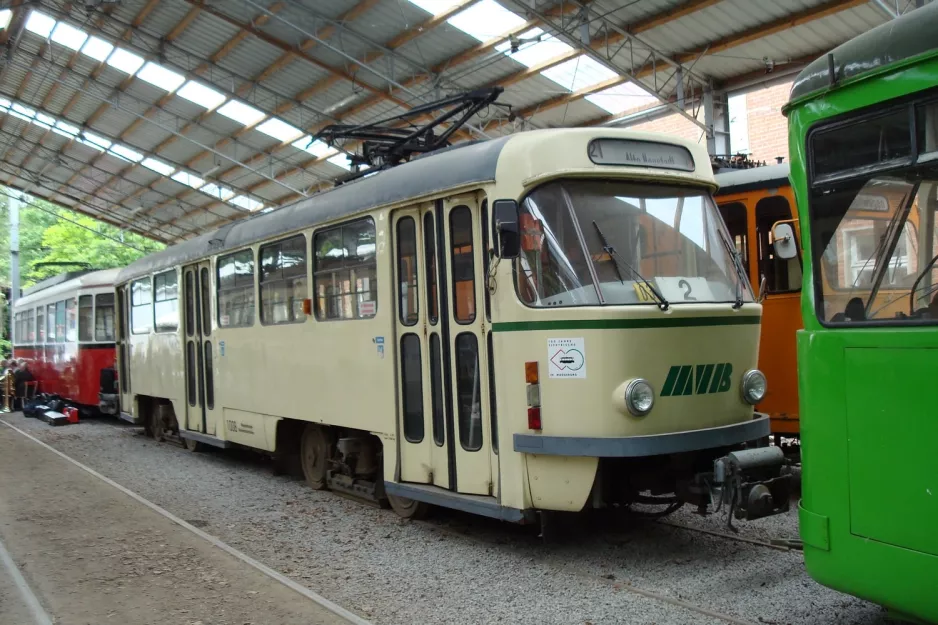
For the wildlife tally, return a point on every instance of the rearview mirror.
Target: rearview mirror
(507, 232)
(785, 245)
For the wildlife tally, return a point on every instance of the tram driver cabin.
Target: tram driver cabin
(548, 321)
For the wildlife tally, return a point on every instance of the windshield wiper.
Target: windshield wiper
(663, 304)
(740, 274)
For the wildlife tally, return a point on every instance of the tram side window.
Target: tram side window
(85, 317)
(50, 323)
(141, 309)
(236, 290)
(734, 215)
(19, 328)
(71, 320)
(41, 324)
(781, 275)
(283, 281)
(166, 301)
(104, 317)
(408, 296)
(464, 294)
(31, 325)
(345, 271)
(60, 322)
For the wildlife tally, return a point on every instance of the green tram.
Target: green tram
(863, 133)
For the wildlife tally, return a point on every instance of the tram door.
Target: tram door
(200, 349)
(123, 349)
(442, 377)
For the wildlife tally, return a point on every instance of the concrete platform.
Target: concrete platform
(91, 554)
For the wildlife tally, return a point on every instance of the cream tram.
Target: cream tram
(549, 321)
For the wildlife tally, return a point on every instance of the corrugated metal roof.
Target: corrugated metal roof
(72, 86)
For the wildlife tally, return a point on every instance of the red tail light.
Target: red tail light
(534, 418)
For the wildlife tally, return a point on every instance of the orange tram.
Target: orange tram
(752, 201)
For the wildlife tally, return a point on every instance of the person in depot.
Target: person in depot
(21, 375)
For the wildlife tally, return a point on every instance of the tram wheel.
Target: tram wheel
(193, 445)
(408, 508)
(156, 426)
(315, 452)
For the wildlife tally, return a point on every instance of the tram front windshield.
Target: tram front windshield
(589, 243)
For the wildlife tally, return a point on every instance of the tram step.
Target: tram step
(129, 418)
(205, 438)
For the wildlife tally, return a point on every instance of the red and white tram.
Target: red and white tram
(64, 328)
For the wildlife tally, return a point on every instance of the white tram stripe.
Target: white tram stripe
(266, 570)
(29, 598)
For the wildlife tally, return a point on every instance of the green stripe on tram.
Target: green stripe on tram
(621, 324)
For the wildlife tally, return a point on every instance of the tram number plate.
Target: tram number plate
(685, 289)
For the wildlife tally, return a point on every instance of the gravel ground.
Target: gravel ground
(455, 568)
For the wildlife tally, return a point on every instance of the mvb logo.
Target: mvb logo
(697, 379)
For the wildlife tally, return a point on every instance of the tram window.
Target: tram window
(468, 400)
(408, 295)
(41, 324)
(463, 266)
(781, 275)
(283, 281)
(60, 322)
(166, 301)
(85, 318)
(141, 310)
(412, 396)
(190, 371)
(205, 303)
(236, 290)
(345, 271)
(429, 250)
(19, 332)
(189, 303)
(71, 319)
(104, 317)
(50, 323)
(209, 377)
(436, 388)
(737, 222)
(31, 325)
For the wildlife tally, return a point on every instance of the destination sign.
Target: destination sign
(640, 154)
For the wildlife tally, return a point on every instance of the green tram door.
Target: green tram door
(444, 426)
(199, 353)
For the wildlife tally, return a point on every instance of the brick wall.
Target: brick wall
(768, 129)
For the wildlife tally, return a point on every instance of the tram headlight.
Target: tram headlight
(754, 386)
(639, 397)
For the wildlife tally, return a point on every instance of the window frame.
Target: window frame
(154, 294)
(452, 266)
(315, 272)
(281, 279)
(219, 290)
(90, 327)
(98, 307)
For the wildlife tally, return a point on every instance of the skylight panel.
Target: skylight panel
(159, 76)
(125, 61)
(200, 94)
(5, 16)
(279, 129)
(23, 112)
(66, 128)
(485, 20)
(316, 148)
(40, 23)
(621, 98)
(69, 36)
(98, 49)
(246, 203)
(241, 112)
(340, 160)
(532, 52)
(46, 121)
(217, 191)
(126, 153)
(190, 180)
(158, 166)
(95, 141)
(578, 73)
(4, 103)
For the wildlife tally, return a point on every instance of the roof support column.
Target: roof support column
(716, 122)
